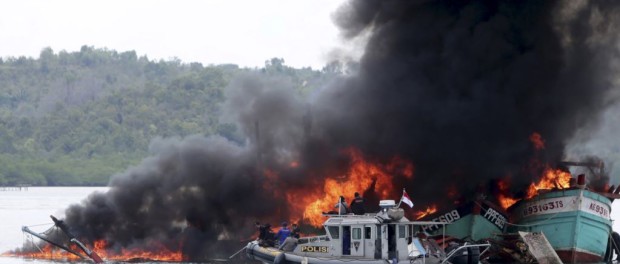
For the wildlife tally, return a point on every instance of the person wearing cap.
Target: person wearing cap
(283, 233)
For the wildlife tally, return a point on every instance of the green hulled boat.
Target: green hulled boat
(473, 221)
(576, 222)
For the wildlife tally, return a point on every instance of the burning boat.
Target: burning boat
(473, 221)
(573, 217)
(576, 220)
(371, 238)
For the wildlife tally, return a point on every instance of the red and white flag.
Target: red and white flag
(406, 199)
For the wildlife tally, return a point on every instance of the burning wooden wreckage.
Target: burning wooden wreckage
(73, 241)
(59, 243)
(563, 220)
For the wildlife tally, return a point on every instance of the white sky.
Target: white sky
(244, 32)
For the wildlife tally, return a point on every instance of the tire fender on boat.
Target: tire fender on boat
(280, 259)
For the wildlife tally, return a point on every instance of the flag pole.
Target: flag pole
(401, 198)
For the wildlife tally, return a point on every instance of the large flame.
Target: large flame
(156, 252)
(359, 177)
(46, 251)
(550, 179)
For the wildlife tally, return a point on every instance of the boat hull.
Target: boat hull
(473, 221)
(270, 255)
(576, 222)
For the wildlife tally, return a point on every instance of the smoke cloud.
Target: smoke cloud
(456, 87)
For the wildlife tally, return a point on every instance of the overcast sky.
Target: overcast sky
(244, 32)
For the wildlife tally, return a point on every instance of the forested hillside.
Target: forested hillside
(76, 118)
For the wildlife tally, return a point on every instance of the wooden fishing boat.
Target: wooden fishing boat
(576, 222)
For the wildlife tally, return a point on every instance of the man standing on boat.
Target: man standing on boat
(357, 205)
(283, 233)
(341, 206)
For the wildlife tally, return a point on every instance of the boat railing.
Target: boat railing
(350, 215)
(312, 239)
(458, 249)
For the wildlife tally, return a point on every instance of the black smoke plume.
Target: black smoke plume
(456, 87)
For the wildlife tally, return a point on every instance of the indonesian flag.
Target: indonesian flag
(406, 199)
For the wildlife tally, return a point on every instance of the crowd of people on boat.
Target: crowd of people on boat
(286, 238)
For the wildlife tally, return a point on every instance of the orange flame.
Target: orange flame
(359, 177)
(157, 252)
(429, 210)
(552, 178)
(537, 141)
(504, 199)
(47, 252)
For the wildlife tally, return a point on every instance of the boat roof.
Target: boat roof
(379, 218)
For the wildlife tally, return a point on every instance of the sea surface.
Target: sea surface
(32, 207)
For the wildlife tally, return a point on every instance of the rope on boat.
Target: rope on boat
(528, 225)
(508, 223)
(41, 224)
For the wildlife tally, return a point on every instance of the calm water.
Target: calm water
(33, 207)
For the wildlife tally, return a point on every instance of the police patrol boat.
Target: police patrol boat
(384, 237)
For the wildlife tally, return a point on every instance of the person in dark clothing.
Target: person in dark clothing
(262, 230)
(295, 230)
(357, 205)
(269, 238)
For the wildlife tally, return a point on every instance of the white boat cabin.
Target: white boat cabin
(384, 235)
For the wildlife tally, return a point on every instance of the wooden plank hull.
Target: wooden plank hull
(472, 221)
(576, 222)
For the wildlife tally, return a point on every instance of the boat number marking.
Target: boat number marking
(566, 204)
(445, 218)
(595, 207)
(316, 249)
(536, 208)
(495, 217)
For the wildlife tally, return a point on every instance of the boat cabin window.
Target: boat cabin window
(334, 232)
(367, 232)
(357, 233)
(401, 231)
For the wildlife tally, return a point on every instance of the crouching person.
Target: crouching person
(289, 243)
(268, 237)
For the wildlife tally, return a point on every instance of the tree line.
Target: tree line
(76, 118)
